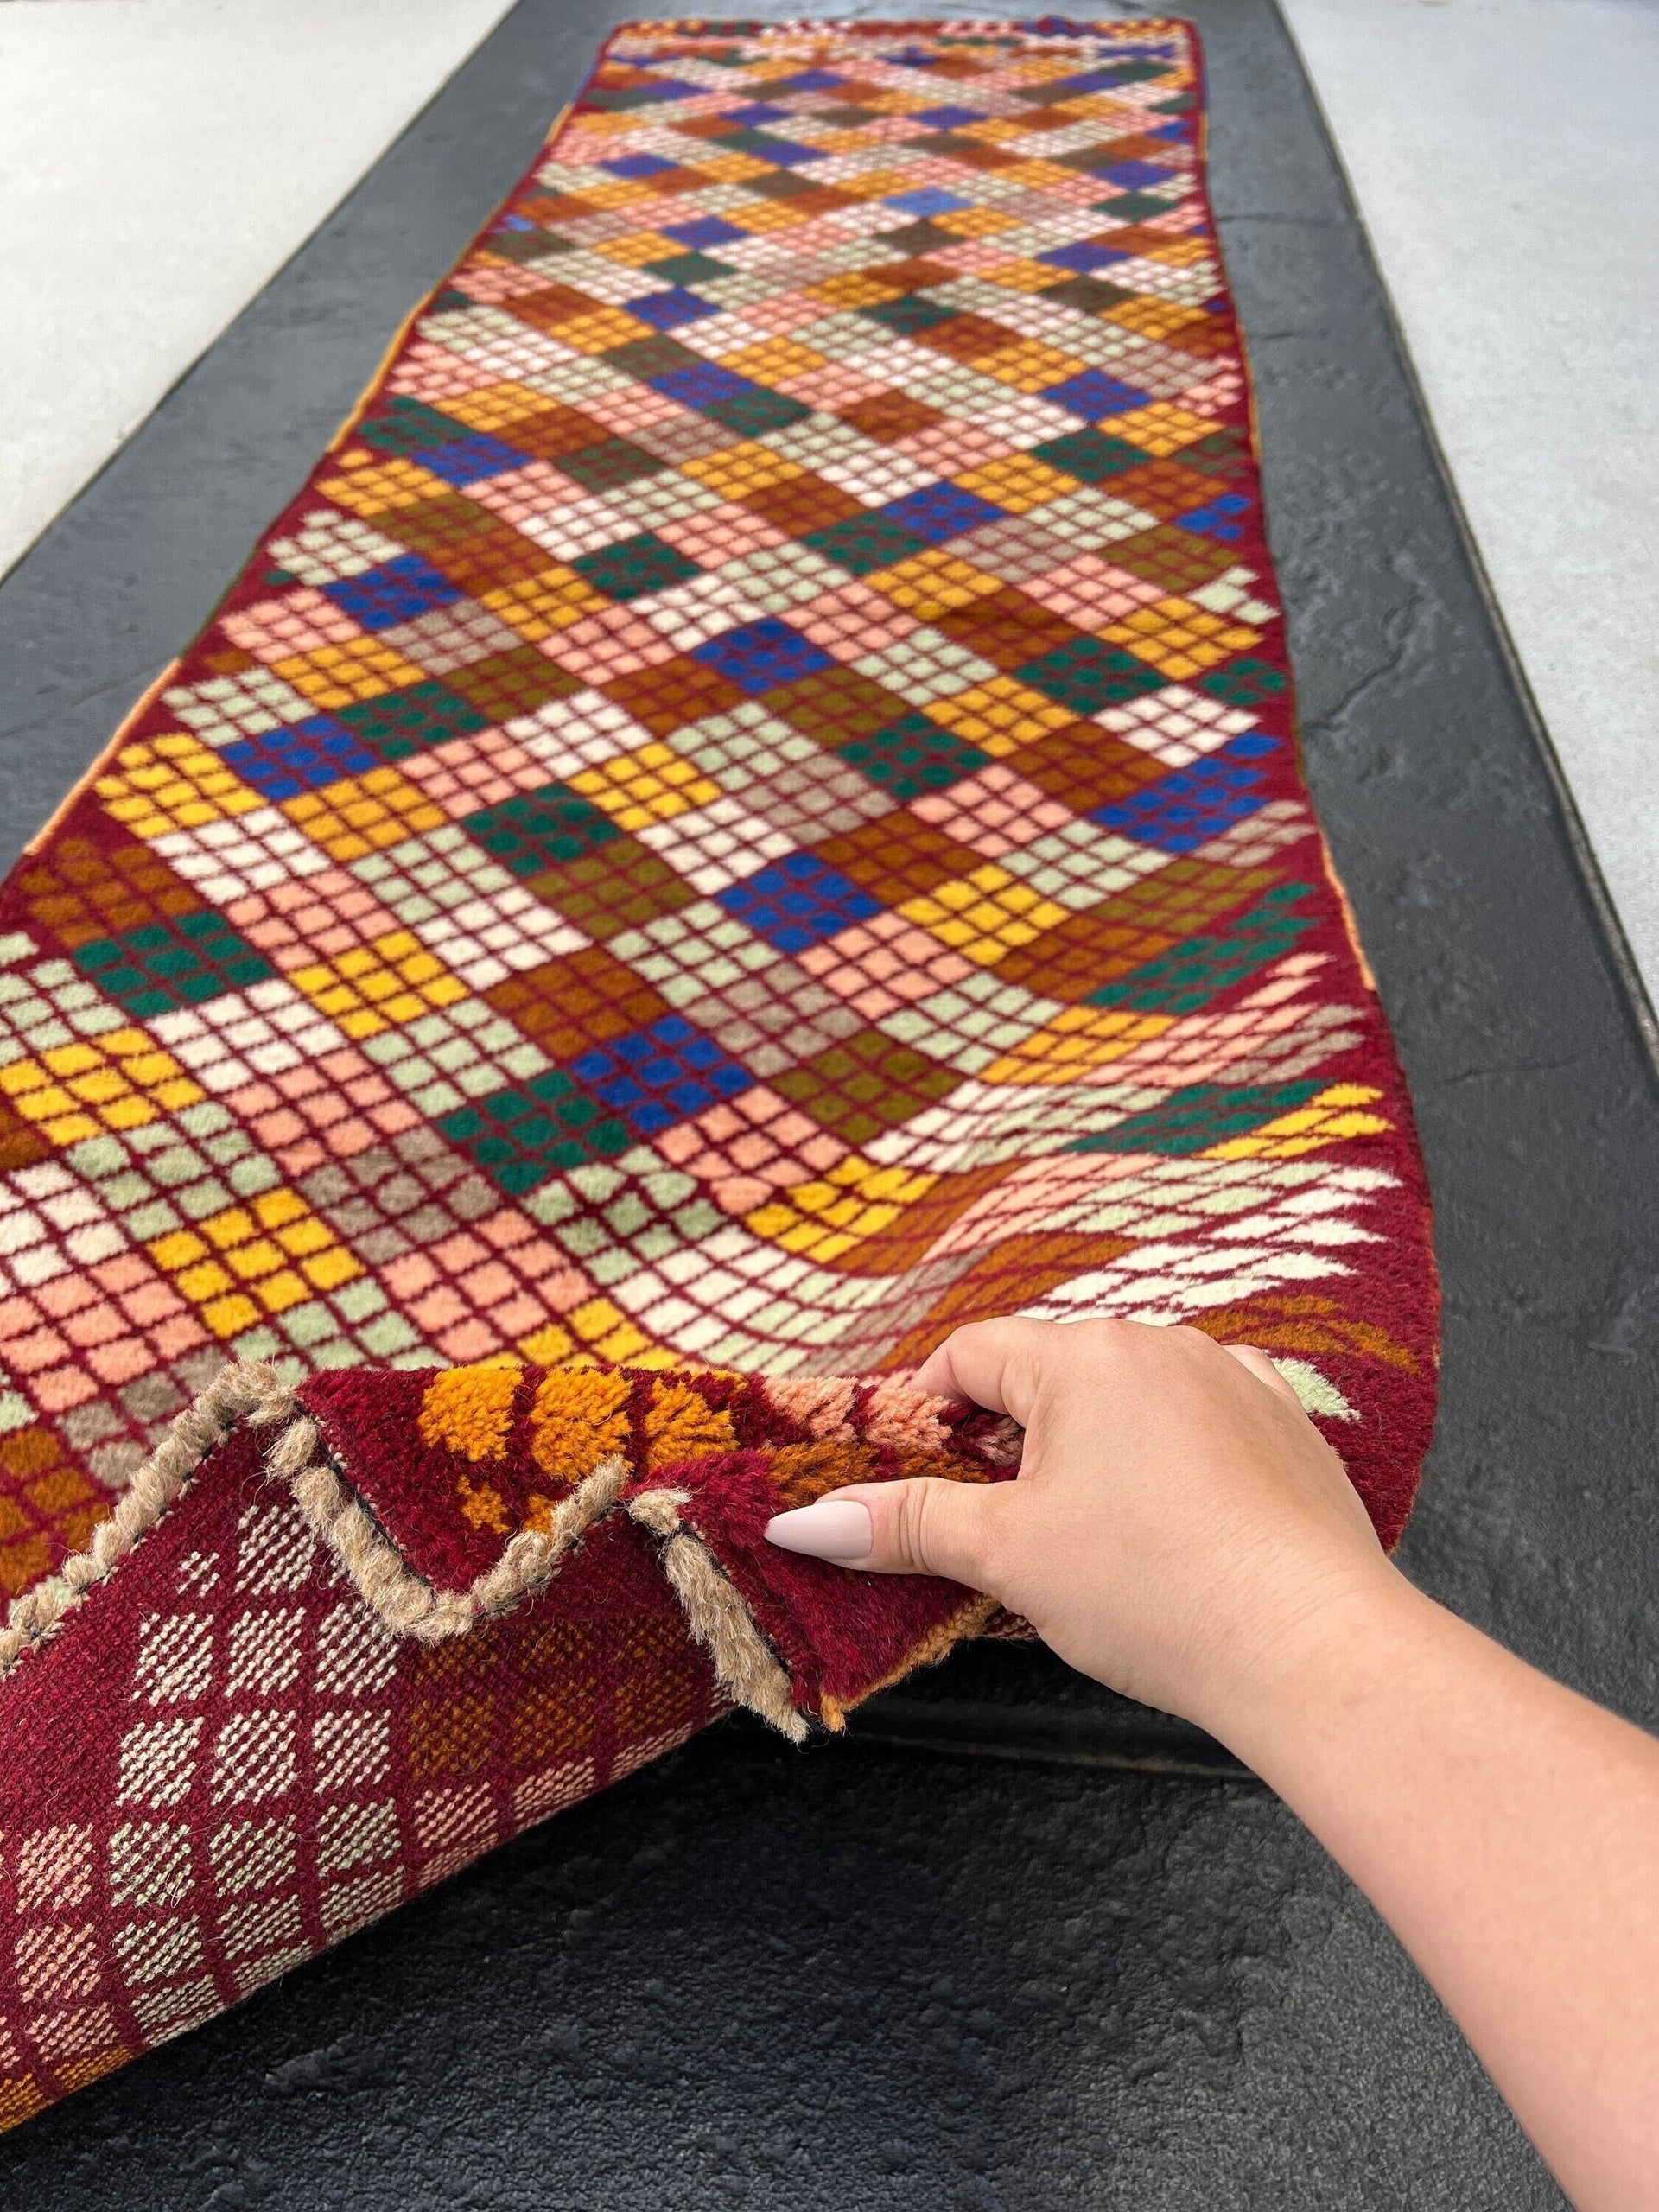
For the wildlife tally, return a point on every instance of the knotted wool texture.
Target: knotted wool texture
(747, 814)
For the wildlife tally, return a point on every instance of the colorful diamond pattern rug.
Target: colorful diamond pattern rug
(747, 814)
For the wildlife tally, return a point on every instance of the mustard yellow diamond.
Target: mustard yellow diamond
(539, 605)
(853, 288)
(1075, 1041)
(361, 814)
(976, 222)
(1018, 482)
(1161, 430)
(998, 716)
(122, 1080)
(984, 916)
(748, 468)
(932, 583)
(172, 782)
(247, 1262)
(771, 363)
(1018, 276)
(378, 986)
(623, 192)
(635, 248)
(340, 676)
(369, 484)
(1180, 640)
(1153, 318)
(602, 330)
(652, 784)
(494, 404)
(1030, 365)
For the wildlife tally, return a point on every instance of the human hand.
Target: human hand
(1179, 1530)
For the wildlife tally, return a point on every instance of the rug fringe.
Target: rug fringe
(402, 1601)
(236, 1393)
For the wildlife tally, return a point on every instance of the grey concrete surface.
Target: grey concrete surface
(837, 1983)
(1506, 152)
(864, 1976)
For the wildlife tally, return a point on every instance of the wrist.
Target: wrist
(1325, 1654)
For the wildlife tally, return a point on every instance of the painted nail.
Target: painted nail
(838, 1529)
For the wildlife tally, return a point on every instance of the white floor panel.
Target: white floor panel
(159, 161)
(1505, 157)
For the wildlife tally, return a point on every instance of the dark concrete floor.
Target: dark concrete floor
(870, 1977)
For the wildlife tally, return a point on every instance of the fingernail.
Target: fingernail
(838, 1529)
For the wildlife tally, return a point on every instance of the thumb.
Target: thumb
(925, 1526)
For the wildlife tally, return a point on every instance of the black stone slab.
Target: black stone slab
(860, 1976)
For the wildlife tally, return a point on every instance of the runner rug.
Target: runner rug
(748, 813)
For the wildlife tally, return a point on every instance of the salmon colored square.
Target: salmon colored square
(602, 647)
(122, 1360)
(98, 1324)
(152, 1303)
(442, 1308)
(469, 1339)
(65, 1387)
(410, 1274)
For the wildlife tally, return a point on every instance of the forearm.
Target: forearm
(1180, 1531)
(1509, 1832)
